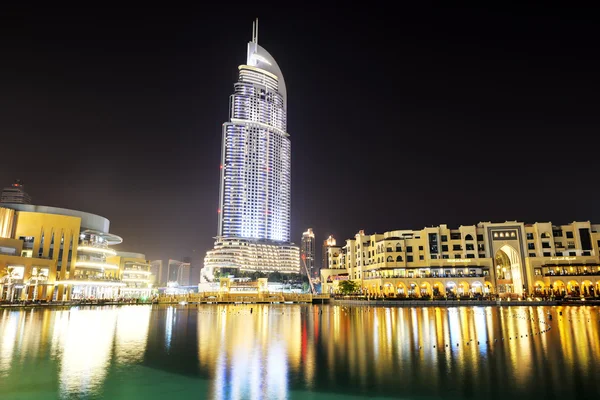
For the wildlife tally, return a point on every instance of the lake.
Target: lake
(285, 351)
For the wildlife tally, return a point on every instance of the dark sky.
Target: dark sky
(399, 118)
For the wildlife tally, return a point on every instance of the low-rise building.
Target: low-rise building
(135, 274)
(50, 253)
(511, 259)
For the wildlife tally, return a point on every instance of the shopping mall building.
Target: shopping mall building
(511, 259)
(55, 254)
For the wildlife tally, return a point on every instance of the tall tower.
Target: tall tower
(307, 251)
(254, 201)
(255, 190)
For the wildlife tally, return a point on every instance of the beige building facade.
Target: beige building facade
(509, 259)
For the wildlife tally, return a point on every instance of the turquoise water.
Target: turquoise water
(299, 352)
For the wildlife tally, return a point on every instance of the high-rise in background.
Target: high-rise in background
(307, 253)
(255, 190)
(179, 271)
(15, 194)
(159, 273)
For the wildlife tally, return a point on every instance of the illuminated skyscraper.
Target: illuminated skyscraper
(307, 251)
(254, 200)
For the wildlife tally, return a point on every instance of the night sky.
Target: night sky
(399, 119)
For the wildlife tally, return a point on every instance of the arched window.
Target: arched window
(469, 237)
(399, 258)
(390, 259)
(545, 235)
(378, 260)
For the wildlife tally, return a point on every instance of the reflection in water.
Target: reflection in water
(77, 345)
(84, 338)
(283, 351)
(248, 350)
(8, 338)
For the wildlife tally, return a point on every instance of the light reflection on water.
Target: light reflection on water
(293, 351)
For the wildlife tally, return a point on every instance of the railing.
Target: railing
(217, 297)
(427, 276)
(103, 245)
(583, 273)
(81, 257)
(92, 278)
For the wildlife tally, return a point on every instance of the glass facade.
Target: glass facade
(256, 156)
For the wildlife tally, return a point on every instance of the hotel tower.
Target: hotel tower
(254, 199)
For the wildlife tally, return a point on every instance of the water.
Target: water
(300, 352)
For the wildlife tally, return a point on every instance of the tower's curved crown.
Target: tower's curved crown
(258, 57)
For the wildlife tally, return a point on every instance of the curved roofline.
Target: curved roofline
(260, 58)
(88, 220)
(110, 238)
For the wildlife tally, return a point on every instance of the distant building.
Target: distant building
(15, 194)
(307, 252)
(179, 271)
(135, 273)
(159, 274)
(188, 271)
(329, 242)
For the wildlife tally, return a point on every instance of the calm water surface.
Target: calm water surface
(300, 352)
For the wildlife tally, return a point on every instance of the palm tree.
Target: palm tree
(6, 272)
(3, 274)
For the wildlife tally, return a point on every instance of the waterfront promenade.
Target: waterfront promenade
(292, 298)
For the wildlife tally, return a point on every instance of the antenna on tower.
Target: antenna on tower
(256, 35)
(255, 31)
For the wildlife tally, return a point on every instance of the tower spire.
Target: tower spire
(256, 37)
(255, 31)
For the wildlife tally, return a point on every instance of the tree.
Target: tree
(275, 277)
(347, 287)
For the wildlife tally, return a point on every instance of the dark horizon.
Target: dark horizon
(398, 120)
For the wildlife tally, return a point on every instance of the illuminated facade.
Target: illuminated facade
(512, 259)
(179, 272)
(307, 251)
(50, 253)
(135, 274)
(254, 198)
(249, 256)
(159, 273)
(327, 243)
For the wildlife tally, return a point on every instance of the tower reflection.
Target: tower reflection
(285, 351)
(251, 350)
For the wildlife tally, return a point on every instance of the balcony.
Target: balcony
(136, 271)
(140, 280)
(428, 276)
(575, 273)
(91, 281)
(87, 243)
(97, 250)
(95, 265)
